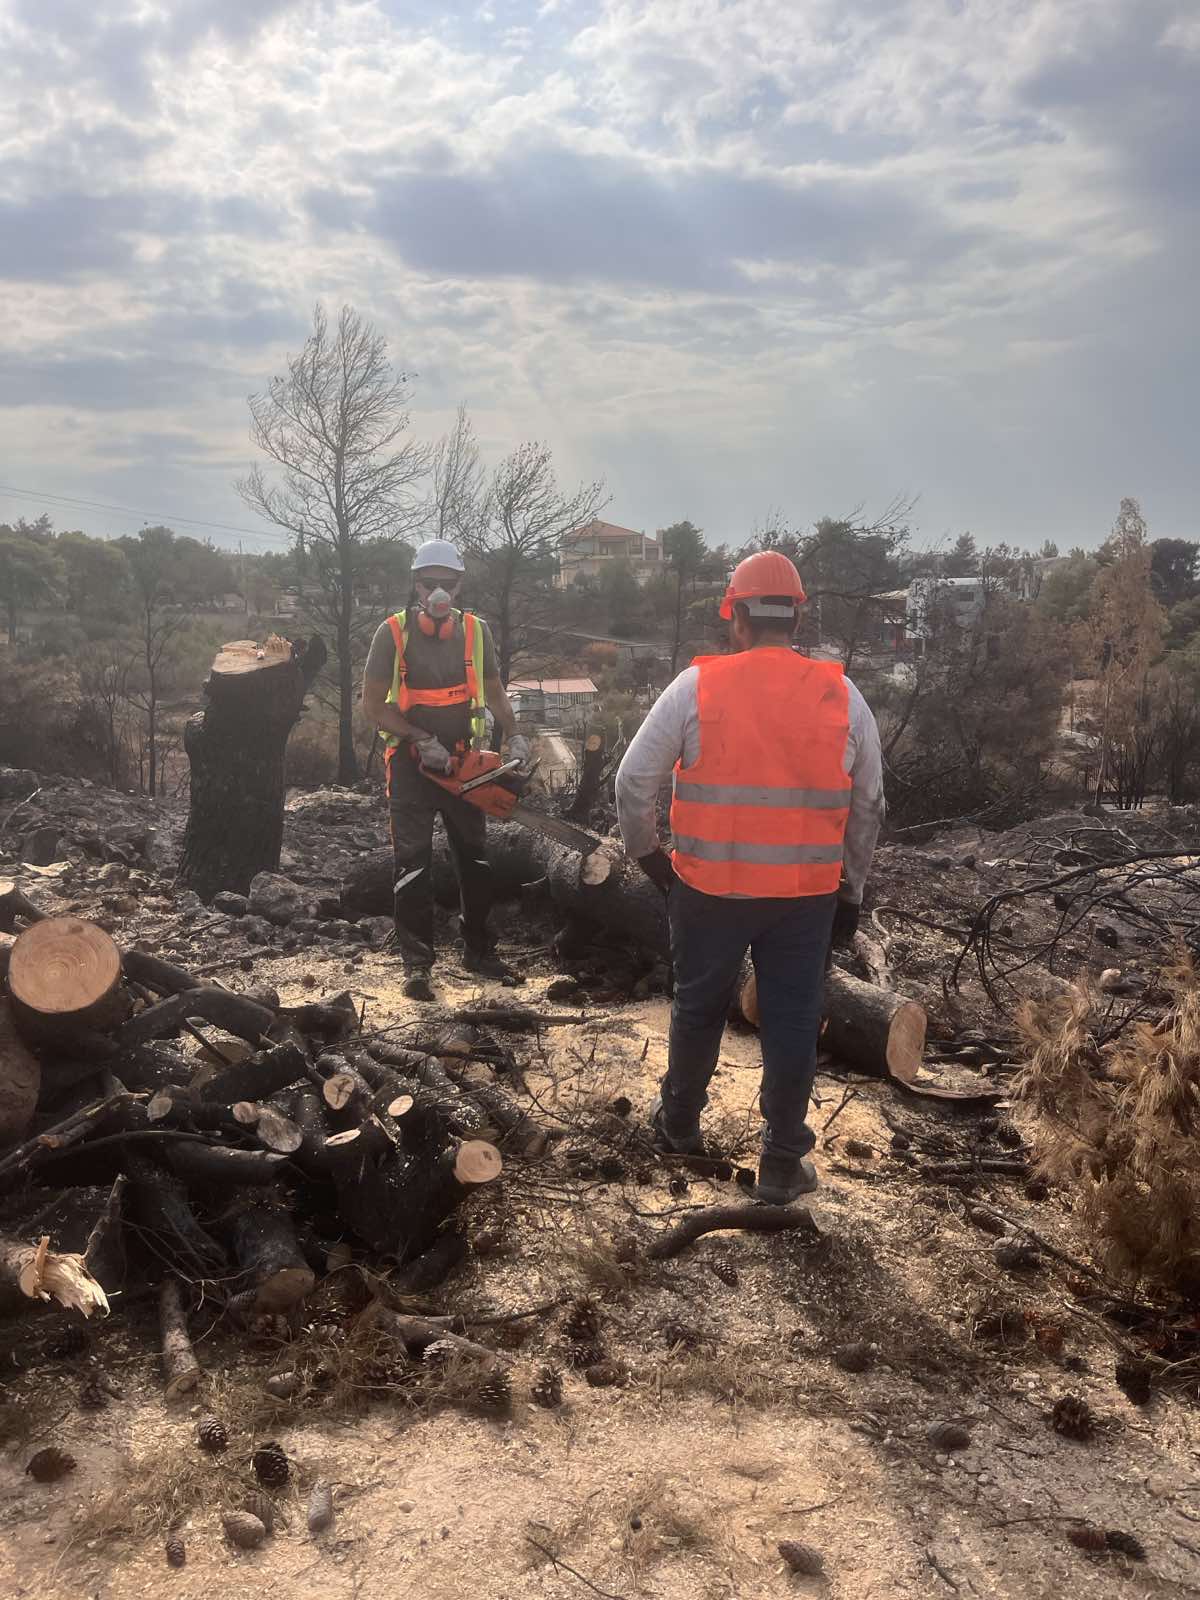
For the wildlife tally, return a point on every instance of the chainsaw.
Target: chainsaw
(482, 779)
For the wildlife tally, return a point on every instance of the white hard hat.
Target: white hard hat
(438, 553)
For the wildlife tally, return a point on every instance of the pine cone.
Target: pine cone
(1073, 1417)
(1016, 1257)
(547, 1388)
(494, 1394)
(243, 1530)
(604, 1375)
(261, 1506)
(585, 1354)
(582, 1323)
(270, 1465)
(802, 1558)
(439, 1352)
(1134, 1377)
(320, 1508)
(678, 1185)
(679, 1333)
(175, 1551)
(50, 1464)
(855, 1357)
(91, 1396)
(211, 1435)
(1086, 1537)
(727, 1272)
(1126, 1544)
(949, 1436)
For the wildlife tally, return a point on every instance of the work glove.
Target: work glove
(519, 749)
(845, 922)
(433, 755)
(657, 867)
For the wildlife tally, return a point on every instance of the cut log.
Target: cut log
(398, 1205)
(591, 775)
(268, 1252)
(516, 855)
(416, 1334)
(273, 1130)
(215, 1166)
(181, 1370)
(258, 1077)
(20, 1079)
(871, 1029)
(227, 1010)
(431, 1269)
(237, 748)
(606, 890)
(16, 907)
(65, 975)
(39, 1273)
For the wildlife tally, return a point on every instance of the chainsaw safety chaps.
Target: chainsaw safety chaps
(413, 805)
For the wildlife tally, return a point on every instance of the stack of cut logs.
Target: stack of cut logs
(237, 1168)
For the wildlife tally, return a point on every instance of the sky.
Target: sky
(738, 258)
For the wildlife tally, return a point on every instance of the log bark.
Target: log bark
(39, 1273)
(64, 977)
(104, 1253)
(222, 1007)
(434, 1266)
(608, 891)
(215, 1166)
(237, 748)
(160, 1203)
(258, 1077)
(268, 1252)
(871, 1029)
(591, 775)
(516, 855)
(398, 1205)
(20, 1079)
(181, 1370)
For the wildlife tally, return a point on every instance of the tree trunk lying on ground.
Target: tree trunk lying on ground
(871, 1029)
(516, 855)
(237, 749)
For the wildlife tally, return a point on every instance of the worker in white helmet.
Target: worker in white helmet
(431, 678)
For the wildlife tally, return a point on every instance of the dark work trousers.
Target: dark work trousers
(413, 804)
(788, 941)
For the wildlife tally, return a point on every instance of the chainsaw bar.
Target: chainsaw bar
(577, 839)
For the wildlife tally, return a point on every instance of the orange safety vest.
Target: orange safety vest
(763, 811)
(468, 692)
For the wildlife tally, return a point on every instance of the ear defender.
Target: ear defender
(434, 629)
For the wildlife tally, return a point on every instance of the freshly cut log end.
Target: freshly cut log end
(477, 1161)
(268, 1251)
(872, 1029)
(596, 868)
(400, 1106)
(43, 1274)
(66, 970)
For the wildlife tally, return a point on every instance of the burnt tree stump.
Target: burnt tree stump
(236, 747)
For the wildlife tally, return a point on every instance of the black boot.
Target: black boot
(418, 984)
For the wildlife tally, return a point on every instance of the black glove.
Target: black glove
(845, 922)
(657, 867)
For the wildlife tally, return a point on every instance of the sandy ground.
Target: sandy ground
(681, 1483)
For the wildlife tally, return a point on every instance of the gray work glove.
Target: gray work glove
(519, 749)
(433, 755)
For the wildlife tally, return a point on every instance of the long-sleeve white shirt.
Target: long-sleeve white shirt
(671, 733)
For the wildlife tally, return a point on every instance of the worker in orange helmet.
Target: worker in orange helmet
(778, 801)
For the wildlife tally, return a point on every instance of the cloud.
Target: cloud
(727, 253)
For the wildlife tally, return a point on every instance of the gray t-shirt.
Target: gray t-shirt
(431, 663)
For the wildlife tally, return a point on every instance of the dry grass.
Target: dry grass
(1117, 1124)
(727, 1373)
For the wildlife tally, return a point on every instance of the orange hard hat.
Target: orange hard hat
(768, 572)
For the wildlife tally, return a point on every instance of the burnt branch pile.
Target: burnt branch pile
(233, 1170)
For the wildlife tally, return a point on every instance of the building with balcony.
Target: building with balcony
(586, 551)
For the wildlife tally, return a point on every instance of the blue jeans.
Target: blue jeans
(788, 941)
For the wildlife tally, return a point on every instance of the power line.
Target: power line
(133, 511)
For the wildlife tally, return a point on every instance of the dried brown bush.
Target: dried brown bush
(1116, 1125)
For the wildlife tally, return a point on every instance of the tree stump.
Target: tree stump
(64, 979)
(237, 747)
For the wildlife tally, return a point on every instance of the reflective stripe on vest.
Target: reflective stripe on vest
(469, 692)
(783, 720)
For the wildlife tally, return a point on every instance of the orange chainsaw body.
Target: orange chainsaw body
(498, 799)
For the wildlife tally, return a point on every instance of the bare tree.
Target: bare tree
(514, 546)
(331, 426)
(459, 500)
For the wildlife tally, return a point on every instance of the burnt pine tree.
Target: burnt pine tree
(342, 476)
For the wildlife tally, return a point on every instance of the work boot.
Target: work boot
(489, 965)
(692, 1145)
(418, 984)
(782, 1179)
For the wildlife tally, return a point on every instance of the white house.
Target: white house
(554, 702)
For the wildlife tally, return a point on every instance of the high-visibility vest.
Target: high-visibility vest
(469, 692)
(763, 811)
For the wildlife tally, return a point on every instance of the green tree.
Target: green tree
(30, 571)
(97, 577)
(332, 428)
(962, 559)
(1065, 590)
(1174, 570)
(685, 552)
